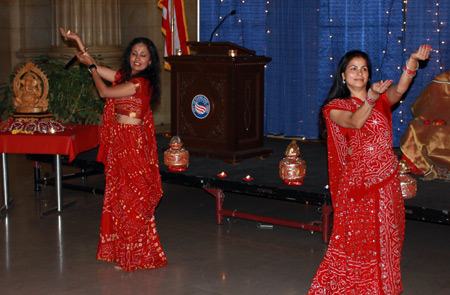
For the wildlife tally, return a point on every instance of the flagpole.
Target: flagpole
(198, 20)
(172, 26)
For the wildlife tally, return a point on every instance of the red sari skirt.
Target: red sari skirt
(128, 233)
(364, 253)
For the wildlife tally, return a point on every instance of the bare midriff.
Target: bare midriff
(123, 119)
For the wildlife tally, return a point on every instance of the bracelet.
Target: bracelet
(409, 73)
(367, 103)
(370, 99)
(406, 66)
(83, 51)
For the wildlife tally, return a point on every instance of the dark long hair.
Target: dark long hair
(339, 89)
(152, 71)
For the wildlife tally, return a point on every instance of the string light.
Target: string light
(438, 30)
(404, 10)
(268, 30)
(331, 36)
(389, 34)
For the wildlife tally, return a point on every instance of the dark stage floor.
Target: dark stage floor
(432, 203)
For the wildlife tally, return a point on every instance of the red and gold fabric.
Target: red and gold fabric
(364, 252)
(128, 233)
(426, 143)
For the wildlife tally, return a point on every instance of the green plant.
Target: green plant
(72, 96)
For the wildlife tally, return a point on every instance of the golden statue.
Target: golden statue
(30, 90)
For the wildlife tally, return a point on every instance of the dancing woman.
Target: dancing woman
(128, 235)
(364, 252)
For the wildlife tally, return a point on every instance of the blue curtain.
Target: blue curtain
(306, 40)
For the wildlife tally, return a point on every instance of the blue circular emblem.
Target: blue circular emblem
(200, 106)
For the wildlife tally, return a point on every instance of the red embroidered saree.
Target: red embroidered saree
(364, 252)
(128, 233)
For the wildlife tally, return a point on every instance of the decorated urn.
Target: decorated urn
(292, 167)
(407, 183)
(176, 158)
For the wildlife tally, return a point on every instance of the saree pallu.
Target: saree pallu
(364, 253)
(128, 233)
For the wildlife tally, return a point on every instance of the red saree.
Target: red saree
(128, 233)
(364, 252)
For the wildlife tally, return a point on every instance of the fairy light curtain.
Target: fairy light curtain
(306, 40)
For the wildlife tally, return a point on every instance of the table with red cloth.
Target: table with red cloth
(73, 140)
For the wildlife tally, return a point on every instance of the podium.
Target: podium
(217, 101)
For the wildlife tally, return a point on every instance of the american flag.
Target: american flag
(201, 109)
(173, 27)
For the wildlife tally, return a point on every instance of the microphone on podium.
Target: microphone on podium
(233, 12)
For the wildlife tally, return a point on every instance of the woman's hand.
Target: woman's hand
(85, 58)
(75, 37)
(70, 35)
(396, 92)
(83, 55)
(379, 88)
(422, 53)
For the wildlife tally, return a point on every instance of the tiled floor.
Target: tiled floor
(56, 255)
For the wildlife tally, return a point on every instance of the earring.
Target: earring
(343, 81)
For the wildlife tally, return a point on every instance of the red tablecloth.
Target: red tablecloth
(72, 141)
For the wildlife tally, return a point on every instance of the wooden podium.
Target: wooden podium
(217, 101)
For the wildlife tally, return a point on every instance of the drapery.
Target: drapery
(306, 39)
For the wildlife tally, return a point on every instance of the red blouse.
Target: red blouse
(138, 104)
(135, 106)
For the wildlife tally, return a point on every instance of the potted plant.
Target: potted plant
(72, 95)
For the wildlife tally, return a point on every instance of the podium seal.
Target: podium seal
(200, 106)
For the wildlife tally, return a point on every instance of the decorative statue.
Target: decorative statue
(30, 90)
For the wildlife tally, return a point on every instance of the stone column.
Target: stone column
(98, 23)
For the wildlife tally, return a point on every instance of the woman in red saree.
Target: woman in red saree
(128, 235)
(363, 256)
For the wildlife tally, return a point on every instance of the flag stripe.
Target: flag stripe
(180, 35)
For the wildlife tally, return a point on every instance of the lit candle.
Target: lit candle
(248, 178)
(222, 175)
(232, 52)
